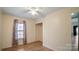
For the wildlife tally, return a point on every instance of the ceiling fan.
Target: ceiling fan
(32, 10)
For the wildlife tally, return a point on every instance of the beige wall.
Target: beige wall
(57, 29)
(39, 32)
(0, 28)
(7, 27)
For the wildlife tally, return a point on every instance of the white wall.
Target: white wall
(31, 31)
(0, 29)
(7, 27)
(57, 29)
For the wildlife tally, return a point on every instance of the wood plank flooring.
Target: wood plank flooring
(35, 46)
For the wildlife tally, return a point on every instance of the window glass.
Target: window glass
(19, 31)
(19, 26)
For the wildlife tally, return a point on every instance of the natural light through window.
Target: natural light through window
(19, 31)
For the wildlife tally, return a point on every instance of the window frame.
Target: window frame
(16, 33)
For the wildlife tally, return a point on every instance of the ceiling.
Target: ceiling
(24, 11)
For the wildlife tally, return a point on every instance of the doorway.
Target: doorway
(75, 18)
(39, 32)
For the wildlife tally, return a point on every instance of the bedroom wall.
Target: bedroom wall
(8, 30)
(57, 29)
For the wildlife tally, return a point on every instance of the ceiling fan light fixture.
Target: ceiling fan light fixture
(37, 9)
(33, 12)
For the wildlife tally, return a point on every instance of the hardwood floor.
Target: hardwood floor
(35, 46)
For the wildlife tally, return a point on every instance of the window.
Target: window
(19, 30)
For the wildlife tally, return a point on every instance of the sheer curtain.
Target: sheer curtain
(14, 39)
(24, 40)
